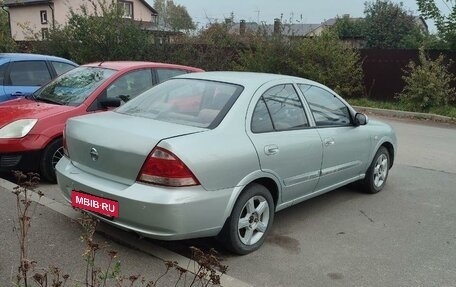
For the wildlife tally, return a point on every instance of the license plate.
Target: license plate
(103, 206)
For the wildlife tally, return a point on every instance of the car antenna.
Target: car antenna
(99, 65)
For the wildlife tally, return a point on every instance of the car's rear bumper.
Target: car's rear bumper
(152, 211)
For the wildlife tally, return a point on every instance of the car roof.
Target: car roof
(245, 79)
(26, 56)
(127, 65)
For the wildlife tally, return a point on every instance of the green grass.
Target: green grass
(449, 111)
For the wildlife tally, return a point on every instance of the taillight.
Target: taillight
(164, 168)
(65, 147)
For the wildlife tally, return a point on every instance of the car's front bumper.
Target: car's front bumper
(152, 211)
(21, 161)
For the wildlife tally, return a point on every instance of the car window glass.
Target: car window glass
(2, 72)
(285, 108)
(61, 68)
(130, 85)
(29, 73)
(190, 102)
(75, 86)
(165, 74)
(326, 108)
(261, 120)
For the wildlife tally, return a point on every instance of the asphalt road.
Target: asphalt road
(403, 236)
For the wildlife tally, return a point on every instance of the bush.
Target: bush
(327, 60)
(428, 84)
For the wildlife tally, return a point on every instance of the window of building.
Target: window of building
(127, 9)
(43, 16)
(44, 33)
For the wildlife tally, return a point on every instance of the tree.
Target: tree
(7, 44)
(173, 16)
(446, 24)
(328, 60)
(97, 34)
(347, 27)
(389, 26)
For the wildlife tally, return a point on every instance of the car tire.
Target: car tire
(51, 155)
(378, 171)
(255, 209)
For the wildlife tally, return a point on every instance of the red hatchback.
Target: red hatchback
(31, 128)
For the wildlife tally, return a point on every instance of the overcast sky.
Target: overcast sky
(312, 11)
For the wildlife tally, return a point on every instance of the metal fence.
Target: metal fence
(383, 70)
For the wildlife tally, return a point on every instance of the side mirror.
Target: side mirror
(361, 119)
(110, 103)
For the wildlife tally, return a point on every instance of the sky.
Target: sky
(312, 11)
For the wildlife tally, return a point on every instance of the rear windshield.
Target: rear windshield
(191, 102)
(74, 87)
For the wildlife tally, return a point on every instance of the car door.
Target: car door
(25, 77)
(286, 145)
(345, 146)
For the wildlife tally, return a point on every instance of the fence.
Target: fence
(383, 70)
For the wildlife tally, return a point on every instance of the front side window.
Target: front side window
(74, 87)
(130, 85)
(326, 108)
(191, 102)
(284, 107)
(127, 9)
(29, 73)
(165, 74)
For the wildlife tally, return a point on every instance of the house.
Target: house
(31, 17)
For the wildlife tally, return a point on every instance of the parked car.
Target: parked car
(22, 74)
(31, 128)
(217, 154)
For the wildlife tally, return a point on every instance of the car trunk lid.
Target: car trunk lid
(114, 146)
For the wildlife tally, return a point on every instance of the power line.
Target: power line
(446, 4)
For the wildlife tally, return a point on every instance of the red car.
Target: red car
(31, 128)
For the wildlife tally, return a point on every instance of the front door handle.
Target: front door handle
(271, 149)
(329, 141)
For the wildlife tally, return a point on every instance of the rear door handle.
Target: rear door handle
(271, 149)
(17, 94)
(329, 141)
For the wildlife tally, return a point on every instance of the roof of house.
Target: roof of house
(13, 3)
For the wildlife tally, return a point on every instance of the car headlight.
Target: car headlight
(17, 129)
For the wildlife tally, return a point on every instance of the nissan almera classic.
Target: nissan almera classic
(217, 154)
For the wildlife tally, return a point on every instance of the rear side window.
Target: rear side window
(191, 102)
(61, 68)
(165, 74)
(284, 108)
(29, 73)
(2, 72)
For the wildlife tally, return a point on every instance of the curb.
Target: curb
(405, 114)
(127, 239)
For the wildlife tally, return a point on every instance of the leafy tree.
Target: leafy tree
(347, 27)
(446, 24)
(428, 84)
(97, 36)
(327, 60)
(174, 16)
(7, 44)
(389, 25)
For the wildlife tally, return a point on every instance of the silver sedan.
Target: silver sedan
(218, 153)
